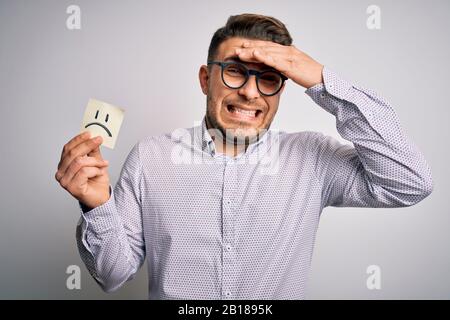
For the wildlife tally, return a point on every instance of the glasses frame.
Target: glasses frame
(248, 73)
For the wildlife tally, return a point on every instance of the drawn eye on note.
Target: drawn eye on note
(100, 124)
(103, 119)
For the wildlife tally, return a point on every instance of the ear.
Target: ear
(203, 76)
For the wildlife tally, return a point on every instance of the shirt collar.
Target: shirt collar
(206, 143)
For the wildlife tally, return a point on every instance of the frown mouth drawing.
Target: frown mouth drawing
(100, 124)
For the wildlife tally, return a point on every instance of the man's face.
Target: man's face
(224, 104)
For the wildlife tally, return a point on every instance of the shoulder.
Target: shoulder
(314, 143)
(302, 139)
(163, 143)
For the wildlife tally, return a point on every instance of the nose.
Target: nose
(250, 90)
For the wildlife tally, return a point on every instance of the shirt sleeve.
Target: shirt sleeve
(383, 168)
(110, 237)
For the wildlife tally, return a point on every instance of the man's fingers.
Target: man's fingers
(76, 165)
(262, 43)
(75, 141)
(256, 55)
(81, 149)
(247, 55)
(277, 59)
(77, 186)
(95, 153)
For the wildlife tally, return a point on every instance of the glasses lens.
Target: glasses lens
(269, 82)
(234, 75)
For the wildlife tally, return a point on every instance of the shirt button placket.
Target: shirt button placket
(228, 216)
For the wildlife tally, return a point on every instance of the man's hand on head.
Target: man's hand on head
(289, 60)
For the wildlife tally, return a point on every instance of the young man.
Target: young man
(229, 209)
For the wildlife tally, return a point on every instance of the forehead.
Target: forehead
(226, 50)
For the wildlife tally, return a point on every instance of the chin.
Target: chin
(241, 132)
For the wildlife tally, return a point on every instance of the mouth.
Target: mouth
(243, 113)
(101, 125)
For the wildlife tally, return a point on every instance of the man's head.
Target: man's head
(223, 102)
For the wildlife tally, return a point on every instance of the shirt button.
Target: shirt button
(228, 293)
(228, 247)
(322, 95)
(228, 201)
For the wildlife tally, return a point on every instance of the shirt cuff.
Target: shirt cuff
(102, 217)
(86, 209)
(332, 84)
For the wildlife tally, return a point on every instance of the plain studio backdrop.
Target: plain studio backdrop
(144, 56)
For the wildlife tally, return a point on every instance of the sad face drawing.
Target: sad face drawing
(103, 119)
(100, 124)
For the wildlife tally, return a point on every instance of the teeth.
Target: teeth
(251, 113)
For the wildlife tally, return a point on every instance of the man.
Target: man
(229, 209)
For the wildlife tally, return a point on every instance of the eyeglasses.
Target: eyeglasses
(235, 75)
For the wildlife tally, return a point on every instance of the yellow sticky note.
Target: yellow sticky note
(102, 119)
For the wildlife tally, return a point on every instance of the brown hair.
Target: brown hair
(252, 26)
